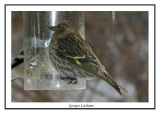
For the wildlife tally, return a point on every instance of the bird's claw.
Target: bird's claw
(70, 80)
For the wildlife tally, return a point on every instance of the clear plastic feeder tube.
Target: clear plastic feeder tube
(39, 73)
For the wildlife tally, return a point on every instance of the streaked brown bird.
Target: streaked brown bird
(72, 57)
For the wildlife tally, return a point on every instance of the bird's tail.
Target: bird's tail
(109, 79)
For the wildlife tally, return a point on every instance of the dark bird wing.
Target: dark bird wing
(77, 50)
(18, 60)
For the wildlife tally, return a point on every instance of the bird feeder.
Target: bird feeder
(39, 73)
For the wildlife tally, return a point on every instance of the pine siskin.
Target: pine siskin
(72, 57)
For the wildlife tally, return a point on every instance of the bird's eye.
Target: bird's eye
(59, 26)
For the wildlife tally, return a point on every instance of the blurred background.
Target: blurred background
(120, 41)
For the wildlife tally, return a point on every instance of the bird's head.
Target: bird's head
(62, 29)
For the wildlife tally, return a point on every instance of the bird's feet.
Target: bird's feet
(69, 80)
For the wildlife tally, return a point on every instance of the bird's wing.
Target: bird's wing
(18, 60)
(77, 50)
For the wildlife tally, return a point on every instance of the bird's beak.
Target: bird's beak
(52, 28)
